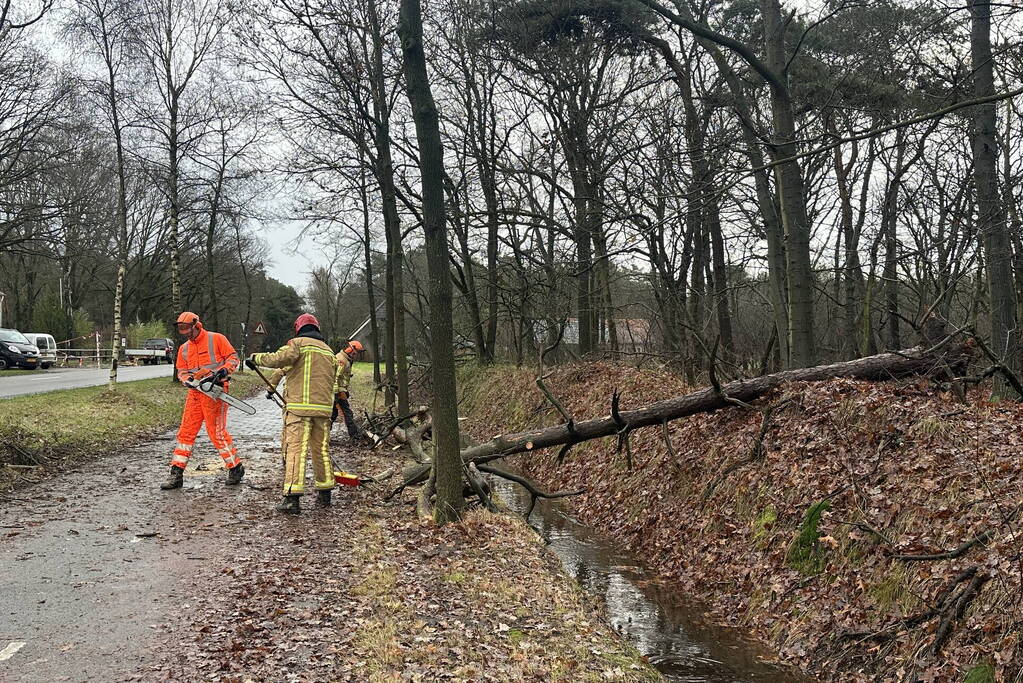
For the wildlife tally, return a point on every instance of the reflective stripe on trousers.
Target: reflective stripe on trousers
(306, 437)
(198, 410)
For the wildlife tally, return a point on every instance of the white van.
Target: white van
(47, 348)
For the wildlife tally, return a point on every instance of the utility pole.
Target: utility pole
(2, 295)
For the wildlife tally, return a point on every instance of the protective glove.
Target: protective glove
(342, 396)
(250, 364)
(221, 374)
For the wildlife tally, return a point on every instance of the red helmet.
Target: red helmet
(306, 319)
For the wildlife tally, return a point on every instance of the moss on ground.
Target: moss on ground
(805, 554)
(984, 673)
(763, 524)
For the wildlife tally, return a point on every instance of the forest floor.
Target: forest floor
(109, 578)
(798, 542)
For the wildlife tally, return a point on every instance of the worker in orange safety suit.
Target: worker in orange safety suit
(310, 373)
(203, 353)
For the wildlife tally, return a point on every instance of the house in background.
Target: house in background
(364, 333)
(635, 335)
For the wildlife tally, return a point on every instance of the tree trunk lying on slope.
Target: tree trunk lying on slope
(915, 361)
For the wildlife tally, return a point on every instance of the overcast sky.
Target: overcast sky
(286, 263)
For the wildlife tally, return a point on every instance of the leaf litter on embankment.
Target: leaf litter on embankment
(903, 469)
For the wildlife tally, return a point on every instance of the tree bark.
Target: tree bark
(915, 361)
(109, 50)
(397, 367)
(447, 465)
(712, 218)
(371, 299)
(990, 217)
(789, 177)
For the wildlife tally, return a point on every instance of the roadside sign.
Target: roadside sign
(260, 328)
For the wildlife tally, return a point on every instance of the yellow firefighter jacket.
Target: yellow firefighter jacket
(310, 369)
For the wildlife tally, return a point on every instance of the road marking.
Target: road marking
(11, 649)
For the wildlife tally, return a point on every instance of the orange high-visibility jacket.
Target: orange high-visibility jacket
(207, 353)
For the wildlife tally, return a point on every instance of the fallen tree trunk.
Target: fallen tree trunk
(943, 357)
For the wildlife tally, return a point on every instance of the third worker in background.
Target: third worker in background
(345, 359)
(310, 377)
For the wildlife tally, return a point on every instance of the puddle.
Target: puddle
(671, 631)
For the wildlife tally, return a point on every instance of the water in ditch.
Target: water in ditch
(670, 630)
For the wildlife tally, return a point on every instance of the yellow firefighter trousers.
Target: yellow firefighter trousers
(306, 437)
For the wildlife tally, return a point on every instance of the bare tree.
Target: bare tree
(105, 25)
(447, 461)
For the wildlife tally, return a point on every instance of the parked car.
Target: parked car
(165, 345)
(17, 351)
(47, 346)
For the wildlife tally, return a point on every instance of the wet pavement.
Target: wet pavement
(94, 561)
(42, 381)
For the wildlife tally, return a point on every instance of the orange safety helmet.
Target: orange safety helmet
(190, 319)
(354, 347)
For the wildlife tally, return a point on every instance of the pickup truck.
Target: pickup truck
(153, 351)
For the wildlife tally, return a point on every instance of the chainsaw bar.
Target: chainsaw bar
(218, 394)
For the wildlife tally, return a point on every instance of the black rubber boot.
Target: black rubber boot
(235, 474)
(289, 505)
(176, 479)
(323, 498)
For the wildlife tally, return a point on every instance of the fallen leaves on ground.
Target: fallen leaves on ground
(362, 591)
(905, 469)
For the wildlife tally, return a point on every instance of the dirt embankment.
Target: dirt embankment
(793, 526)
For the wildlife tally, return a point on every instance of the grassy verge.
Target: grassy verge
(475, 599)
(42, 432)
(469, 601)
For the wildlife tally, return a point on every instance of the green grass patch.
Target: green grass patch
(805, 553)
(377, 584)
(40, 429)
(13, 372)
(457, 578)
(764, 522)
(892, 589)
(984, 673)
(363, 387)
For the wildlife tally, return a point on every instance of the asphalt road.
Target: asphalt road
(51, 380)
(97, 560)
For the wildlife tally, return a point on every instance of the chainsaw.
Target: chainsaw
(208, 387)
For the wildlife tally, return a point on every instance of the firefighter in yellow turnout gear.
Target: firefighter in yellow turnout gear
(310, 369)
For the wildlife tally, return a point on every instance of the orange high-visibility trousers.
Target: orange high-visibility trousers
(201, 409)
